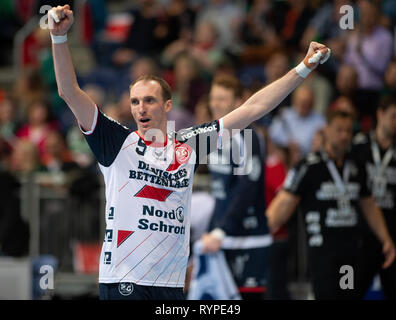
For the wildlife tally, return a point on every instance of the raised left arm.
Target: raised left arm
(269, 97)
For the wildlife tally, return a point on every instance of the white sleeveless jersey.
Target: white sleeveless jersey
(148, 193)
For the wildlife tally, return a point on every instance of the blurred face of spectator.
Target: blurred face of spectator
(368, 13)
(148, 106)
(38, 114)
(202, 112)
(390, 76)
(55, 145)
(221, 101)
(387, 120)
(141, 67)
(205, 33)
(338, 134)
(303, 101)
(346, 105)
(346, 81)
(184, 69)
(6, 111)
(277, 66)
(24, 157)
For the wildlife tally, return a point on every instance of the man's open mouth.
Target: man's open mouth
(144, 120)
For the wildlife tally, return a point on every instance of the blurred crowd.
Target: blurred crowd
(188, 43)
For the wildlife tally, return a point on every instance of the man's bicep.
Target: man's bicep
(83, 108)
(239, 118)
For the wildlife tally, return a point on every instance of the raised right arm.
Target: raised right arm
(78, 101)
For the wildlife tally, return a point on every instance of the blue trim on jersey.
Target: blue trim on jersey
(107, 139)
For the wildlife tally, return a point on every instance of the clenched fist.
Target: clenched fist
(60, 19)
(317, 53)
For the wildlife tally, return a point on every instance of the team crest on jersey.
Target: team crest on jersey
(182, 154)
(125, 288)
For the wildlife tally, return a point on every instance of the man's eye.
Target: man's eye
(134, 101)
(150, 100)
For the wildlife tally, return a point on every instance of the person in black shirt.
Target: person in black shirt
(330, 188)
(238, 224)
(377, 151)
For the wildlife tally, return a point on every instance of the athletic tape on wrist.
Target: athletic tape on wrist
(218, 234)
(302, 70)
(58, 39)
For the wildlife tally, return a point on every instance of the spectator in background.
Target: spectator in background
(202, 111)
(325, 26)
(151, 31)
(376, 151)
(123, 113)
(57, 157)
(141, 66)
(347, 82)
(331, 210)
(276, 166)
(390, 79)
(238, 224)
(345, 104)
(369, 50)
(25, 158)
(292, 19)
(203, 46)
(258, 26)
(8, 120)
(227, 17)
(295, 126)
(186, 82)
(39, 124)
(14, 231)
(28, 88)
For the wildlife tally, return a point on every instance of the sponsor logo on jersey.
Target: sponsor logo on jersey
(197, 131)
(166, 223)
(160, 177)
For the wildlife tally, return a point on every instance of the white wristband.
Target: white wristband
(302, 70)
(58, 39)
(218, 234)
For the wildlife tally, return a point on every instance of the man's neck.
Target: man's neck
(337, 156)
(384, 140)
(153, 138)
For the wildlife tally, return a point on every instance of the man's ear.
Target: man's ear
(168, 106)
(379, 114)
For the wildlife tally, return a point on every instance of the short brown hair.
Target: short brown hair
(231, 83)
(387, 101)
(165, 88)
(333, 114)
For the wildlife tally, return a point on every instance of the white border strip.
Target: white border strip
(93, 126)
(248, 242)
